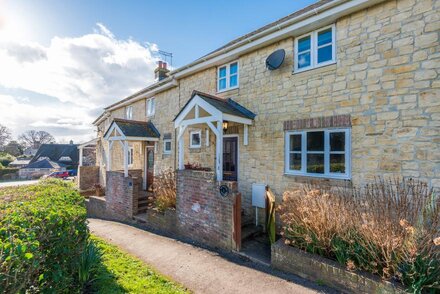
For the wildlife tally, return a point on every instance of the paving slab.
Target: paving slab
(198, 269)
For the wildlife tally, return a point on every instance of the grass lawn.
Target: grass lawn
(120, 272)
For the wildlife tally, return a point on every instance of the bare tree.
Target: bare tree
(35, 139)
(5, 135)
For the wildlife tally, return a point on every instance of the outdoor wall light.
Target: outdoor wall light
(225, 126)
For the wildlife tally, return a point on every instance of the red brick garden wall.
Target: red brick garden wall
(122, 193)
(203, 214)
(88, 176)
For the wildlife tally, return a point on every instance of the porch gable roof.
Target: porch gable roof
(133, 128)
(227, 106)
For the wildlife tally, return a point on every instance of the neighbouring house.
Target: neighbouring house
(351, 92)
(50, 158)
(37, 169)
(64, 154)
(19, 163)
(30, 151)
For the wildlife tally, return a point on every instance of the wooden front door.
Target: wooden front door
(150, 167)
(230, 158)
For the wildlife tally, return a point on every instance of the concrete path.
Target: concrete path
(17, 183)
(199, 270)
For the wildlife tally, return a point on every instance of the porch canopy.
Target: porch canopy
(207, 109)
(123, 131)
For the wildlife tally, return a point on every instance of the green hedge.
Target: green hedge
(43, 232)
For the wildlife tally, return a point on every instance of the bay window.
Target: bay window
(320, 153)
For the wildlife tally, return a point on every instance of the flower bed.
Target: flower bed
(388, 228)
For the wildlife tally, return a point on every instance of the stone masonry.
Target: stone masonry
(202, 213)
(385, 77)
(122, 193)
(88, 176)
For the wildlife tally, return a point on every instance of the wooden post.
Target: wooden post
(219, 151)
(181, 148)
(246, 135)
(109, 157)
(125, 158)
(81, 156)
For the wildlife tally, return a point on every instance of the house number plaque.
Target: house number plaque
(224, 190)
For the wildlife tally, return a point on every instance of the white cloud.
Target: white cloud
(82, 74)
(93, 70)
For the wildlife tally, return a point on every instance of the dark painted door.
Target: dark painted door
(150, 167)
(230, 158)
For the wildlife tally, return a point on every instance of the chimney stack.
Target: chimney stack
(71, 142)
(161, 72)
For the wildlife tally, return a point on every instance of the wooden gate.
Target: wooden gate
(237, 222)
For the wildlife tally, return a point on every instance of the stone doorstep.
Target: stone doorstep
(319, 269)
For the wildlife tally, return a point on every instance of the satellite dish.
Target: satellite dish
(275, 59)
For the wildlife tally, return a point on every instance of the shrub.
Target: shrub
(387, 228)
(43, 234)
(6, 158)
(164, 188)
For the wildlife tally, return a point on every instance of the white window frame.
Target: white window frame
(130, 156)
(327, 152)
(129, 112)
(228, 76)
(314, 50)
(165, 151)
(191, 144)
(150, 108)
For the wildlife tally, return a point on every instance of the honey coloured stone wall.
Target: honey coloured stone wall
(385, 77)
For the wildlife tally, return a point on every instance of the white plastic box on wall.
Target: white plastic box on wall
(258, 195)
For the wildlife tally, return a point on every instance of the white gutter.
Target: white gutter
(147, 94)
(292, 27)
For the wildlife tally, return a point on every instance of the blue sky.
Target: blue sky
(63, 61)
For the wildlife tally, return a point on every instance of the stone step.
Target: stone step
(250, 230)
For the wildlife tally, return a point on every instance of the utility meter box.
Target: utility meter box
(259, 195)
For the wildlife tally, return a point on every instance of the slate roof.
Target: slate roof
(133, 128)
(228, 106)
(55, 151)
(44, 163)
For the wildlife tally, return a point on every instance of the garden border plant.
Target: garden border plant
(389, 228)
(43, 234)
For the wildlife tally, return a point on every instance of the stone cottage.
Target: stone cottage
(350, 92)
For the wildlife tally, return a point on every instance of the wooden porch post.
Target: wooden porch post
(109, 157)
(81, 156)
(219, 151)
(181, 148)
(125, 158)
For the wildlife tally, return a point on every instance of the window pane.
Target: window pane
(233, 68)
(304, 60)
(315, 141)
(295, 161)
(295, 142)
(233, 81)
(337, 163)
(315, 163)
(337, 141)
(222, 84)
(325, 54)
(325, 37)
(222, 72)
(304, 44)
(195, 139)
(167, 146)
